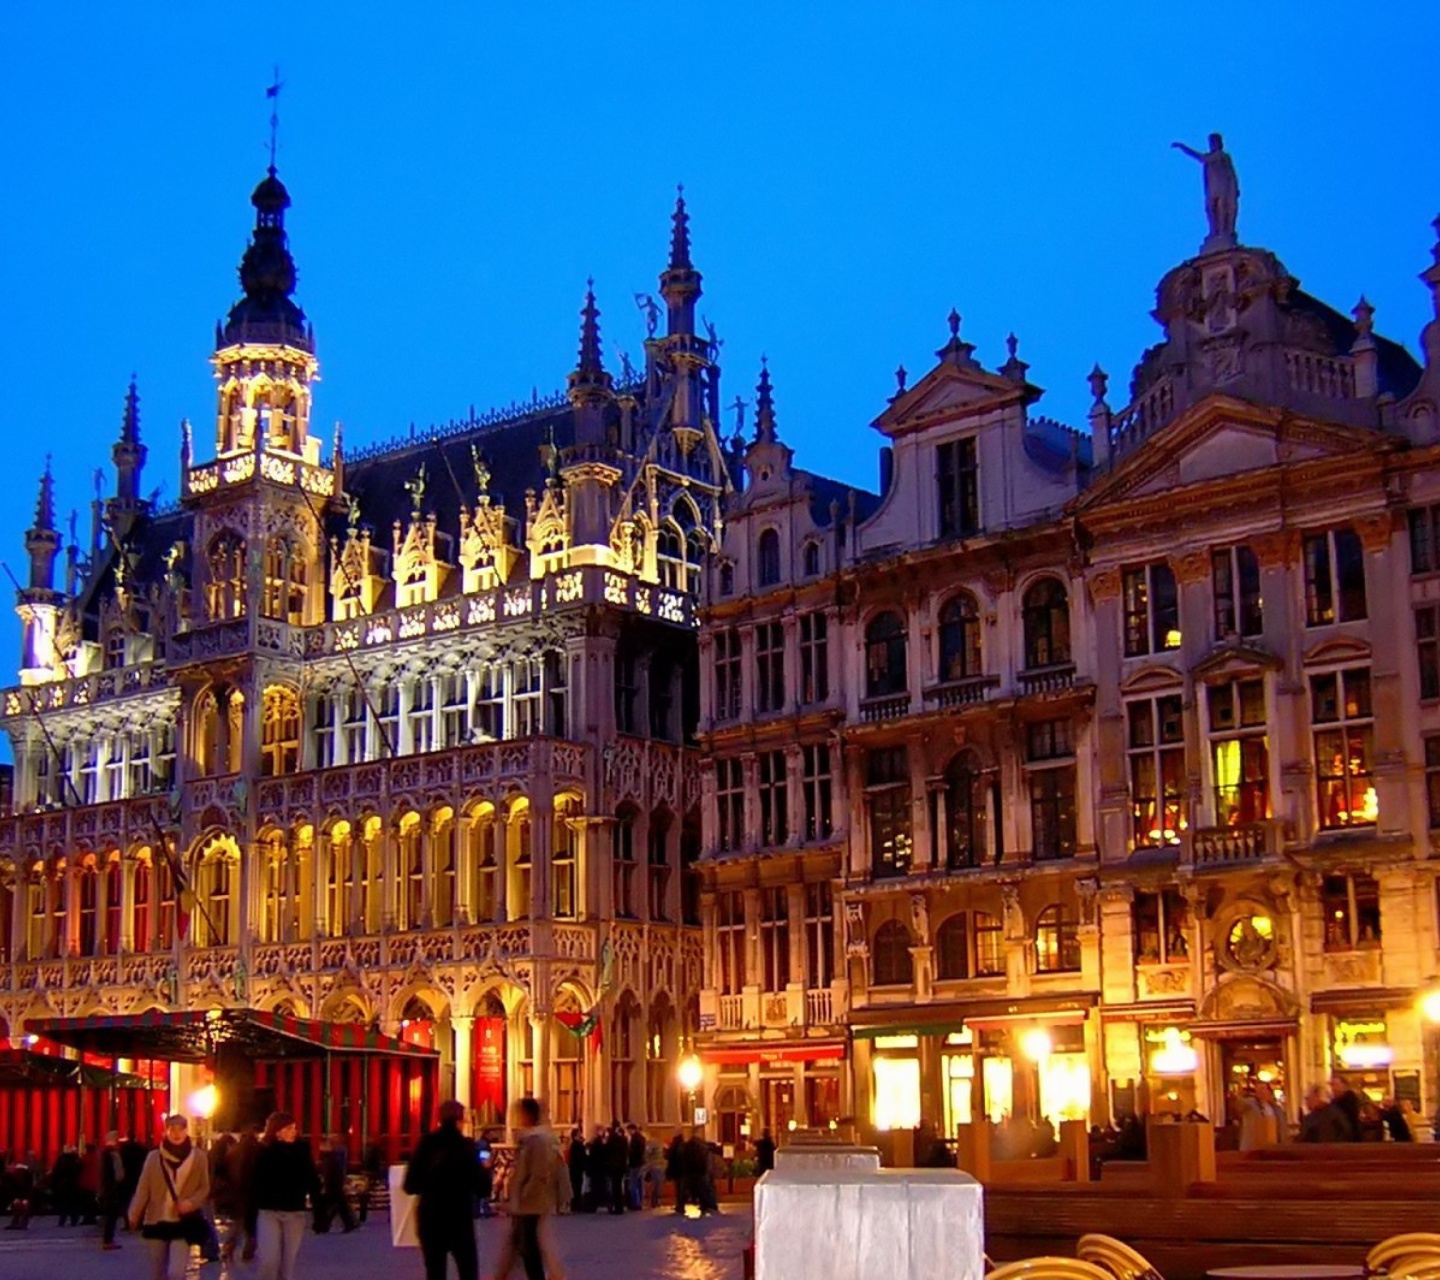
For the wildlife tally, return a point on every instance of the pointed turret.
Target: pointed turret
(680, 282)
(589, 383)
(764, 407)
(128, 452)
(267, 275)
(42, 539)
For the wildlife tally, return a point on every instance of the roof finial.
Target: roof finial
(900, 376)
(954, 321)
(1014, 368)
(680, 233)
(590, 332)
(955, 351)
(1364, 315)
(130, 426)
(764, 406)
(1099, 383)
(45, 502)
(272, 92)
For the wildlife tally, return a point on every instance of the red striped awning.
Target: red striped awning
(193, 1035)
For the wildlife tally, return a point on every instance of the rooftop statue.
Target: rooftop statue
(1222, 192)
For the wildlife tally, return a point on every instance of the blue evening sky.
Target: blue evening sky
(853, 171)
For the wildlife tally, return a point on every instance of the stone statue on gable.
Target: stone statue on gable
(1222, 192)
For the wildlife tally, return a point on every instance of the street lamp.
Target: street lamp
(690, 1073)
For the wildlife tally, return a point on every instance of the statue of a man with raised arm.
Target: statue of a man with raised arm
(1222, 192)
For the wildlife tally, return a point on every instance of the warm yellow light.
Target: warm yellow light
(791, 1125)
(1036, 1044)
(1176, 1058)
(1172, 639)
(690, 1073)
(1370, 807)
(1430, 1004)
(203, 1101)
(1262, 925)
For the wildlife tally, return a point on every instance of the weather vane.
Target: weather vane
(273, 93)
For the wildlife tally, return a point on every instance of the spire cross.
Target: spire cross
(272, 92)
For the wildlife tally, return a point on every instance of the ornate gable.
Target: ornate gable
(486, 553)
(947, 392)
(547, 530)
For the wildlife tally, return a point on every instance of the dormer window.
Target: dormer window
(768, 556)
(114, 648)
(812, 560)
(957, 478)
(727, 579)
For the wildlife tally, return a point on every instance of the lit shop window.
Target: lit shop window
(1344, 748)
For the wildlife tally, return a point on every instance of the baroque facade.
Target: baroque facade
(1085, 773)
(395, 737)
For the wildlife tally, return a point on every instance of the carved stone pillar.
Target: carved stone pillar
(463, 1025)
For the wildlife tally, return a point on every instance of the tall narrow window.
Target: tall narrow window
(386, 701)
(1334, 578)
(770, 667)
(1156, 734)
(887, 796)
(323, 733)
(775, 937)
(622, 863)
(960, 638)
(627, 693)
(1046, 617)
(1050, 767)
(562, 860)
(557, 694)
(1152, 609)
(225, 564)
(1057, 941)
(87, 891)
(768, 558)
(952, 948)
(454, 709)
(490, 702)
(525, 675)
(811, 559)
(891, 964)
(814, 658)
(518, 897)
(1424, 539)
(819, 934)
(485, 905)
(730, 801)
(1427, 649)
(816, 786)
(727, 674)
(958, 481)
(1239, 752)
(885, 670)
(730, 942)
(658, 862)
(774, 799)
(279, 732)
(1235, 584)
(1344, 748)
(421, 714)
(965, 814)
(1162, 927)
(1351, 905)
(352, 729)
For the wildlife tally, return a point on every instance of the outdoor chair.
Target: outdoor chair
(1412, 1247)
(1050, 1269)
(1116, 1257)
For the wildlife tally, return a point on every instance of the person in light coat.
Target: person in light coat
(174, 1185)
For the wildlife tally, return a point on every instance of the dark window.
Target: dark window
(812, 560)
(1351, 905)
(816, 781)
(885, 656)
(1344, 748)
(770, 667)
(952, 948)
(727, 674)
(774, 798)
(1057, 941)
(730, 799)
(819, 934)
(958, 479)
(627, 693)
(730, 942)
(814, 658)
(960, 638)
(1162, 927)
(1432, 780)
(1052, 812)
(775, 937)
(1046, 612)
(769, 558)
(1235, 581)
(1427, 649)
(1152, 610)
(1424, 539)
(965, 815)
(887, 775)
(727, 579)
(891, 962)
(1334, 578)
(622, 863)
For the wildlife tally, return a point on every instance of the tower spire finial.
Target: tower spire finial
(130, 426)
(45, 500)
(764, 406)
(272, 92)
(680, 233)
(590, 361)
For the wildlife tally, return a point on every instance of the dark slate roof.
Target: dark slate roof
(1398, 369)
(1053, 446)
(824, 491)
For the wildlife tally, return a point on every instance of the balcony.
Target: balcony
(1221, 847)
(819, 1008)
(887, 707)
(968, 692)
(732, 1013)
(1042, 680)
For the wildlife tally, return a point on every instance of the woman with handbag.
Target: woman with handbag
(167, 1208)
(285, 1175)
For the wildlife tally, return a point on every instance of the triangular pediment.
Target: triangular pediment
(1221, 438)
(948, 391)
(1234, 662)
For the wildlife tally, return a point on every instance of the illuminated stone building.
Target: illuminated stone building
(412, 720)
(1085, 773)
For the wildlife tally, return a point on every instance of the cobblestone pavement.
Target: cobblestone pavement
(638, 1246)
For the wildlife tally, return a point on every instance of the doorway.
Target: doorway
(1247, 1061)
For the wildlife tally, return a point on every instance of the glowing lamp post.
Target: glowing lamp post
(690, 1073)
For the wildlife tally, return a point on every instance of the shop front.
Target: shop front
(1153, 1060)
(779, 1087)
(1373, 1041)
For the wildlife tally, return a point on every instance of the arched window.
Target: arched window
(87, 893)
(279, 732)
(562, 859)
(960, 638)
(1057, 941)
(412, 871)
(885, 656)
(890, 961)
(622, 862)
(285, 582)
(727, 579)
(1047, 624)
(280, 896)
(661, 1049)
(964, 813)
(768, 558)
(518, 839)
(952, 948)
(114, 647)
(114, 872)
(214, 882)
(811, 559)
(670, 556)
(484, 866)
(339, 879)
(694, 561)
(442, 847)
(225, 563)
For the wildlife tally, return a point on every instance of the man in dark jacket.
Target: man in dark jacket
(617, 1166)
(112, 1190)
(635, 1186)
(1347, 1102)
(444, 1174)
(764, 1153)
(1323, 1120)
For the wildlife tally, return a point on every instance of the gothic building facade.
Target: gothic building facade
(397, 737)
(1085, 773)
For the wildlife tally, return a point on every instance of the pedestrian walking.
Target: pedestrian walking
(1262, 1122)
(333, 1202)
(112, 1190)
(675, 1169)
(617, 1167)
(764, 1153)
(575, 1163)
(168, 1206)
(65, 1186)
(240, 1162)
(1345, 1100)
(443, 1175)
(532, 1198)
(284, 1176)
(1324, 1121)
(635, 1185)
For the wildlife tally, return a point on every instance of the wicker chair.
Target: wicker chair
(1050, 1269)
(1116, 1257)
(1407, 1251)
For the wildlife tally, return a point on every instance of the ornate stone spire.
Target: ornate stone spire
(129, 453)
(42, 541)
(680, 234)
(589, 385)
(45, 500)
(590, 362)
(680, 282)
(130, 425)
(764, 407)
(267, 275)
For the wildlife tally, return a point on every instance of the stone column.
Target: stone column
(463, 1025)
(795, 794)
(425, 834)
(1112, 836)
(751, 766)
(790, 626)
(125, 869)
(540, 1051)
